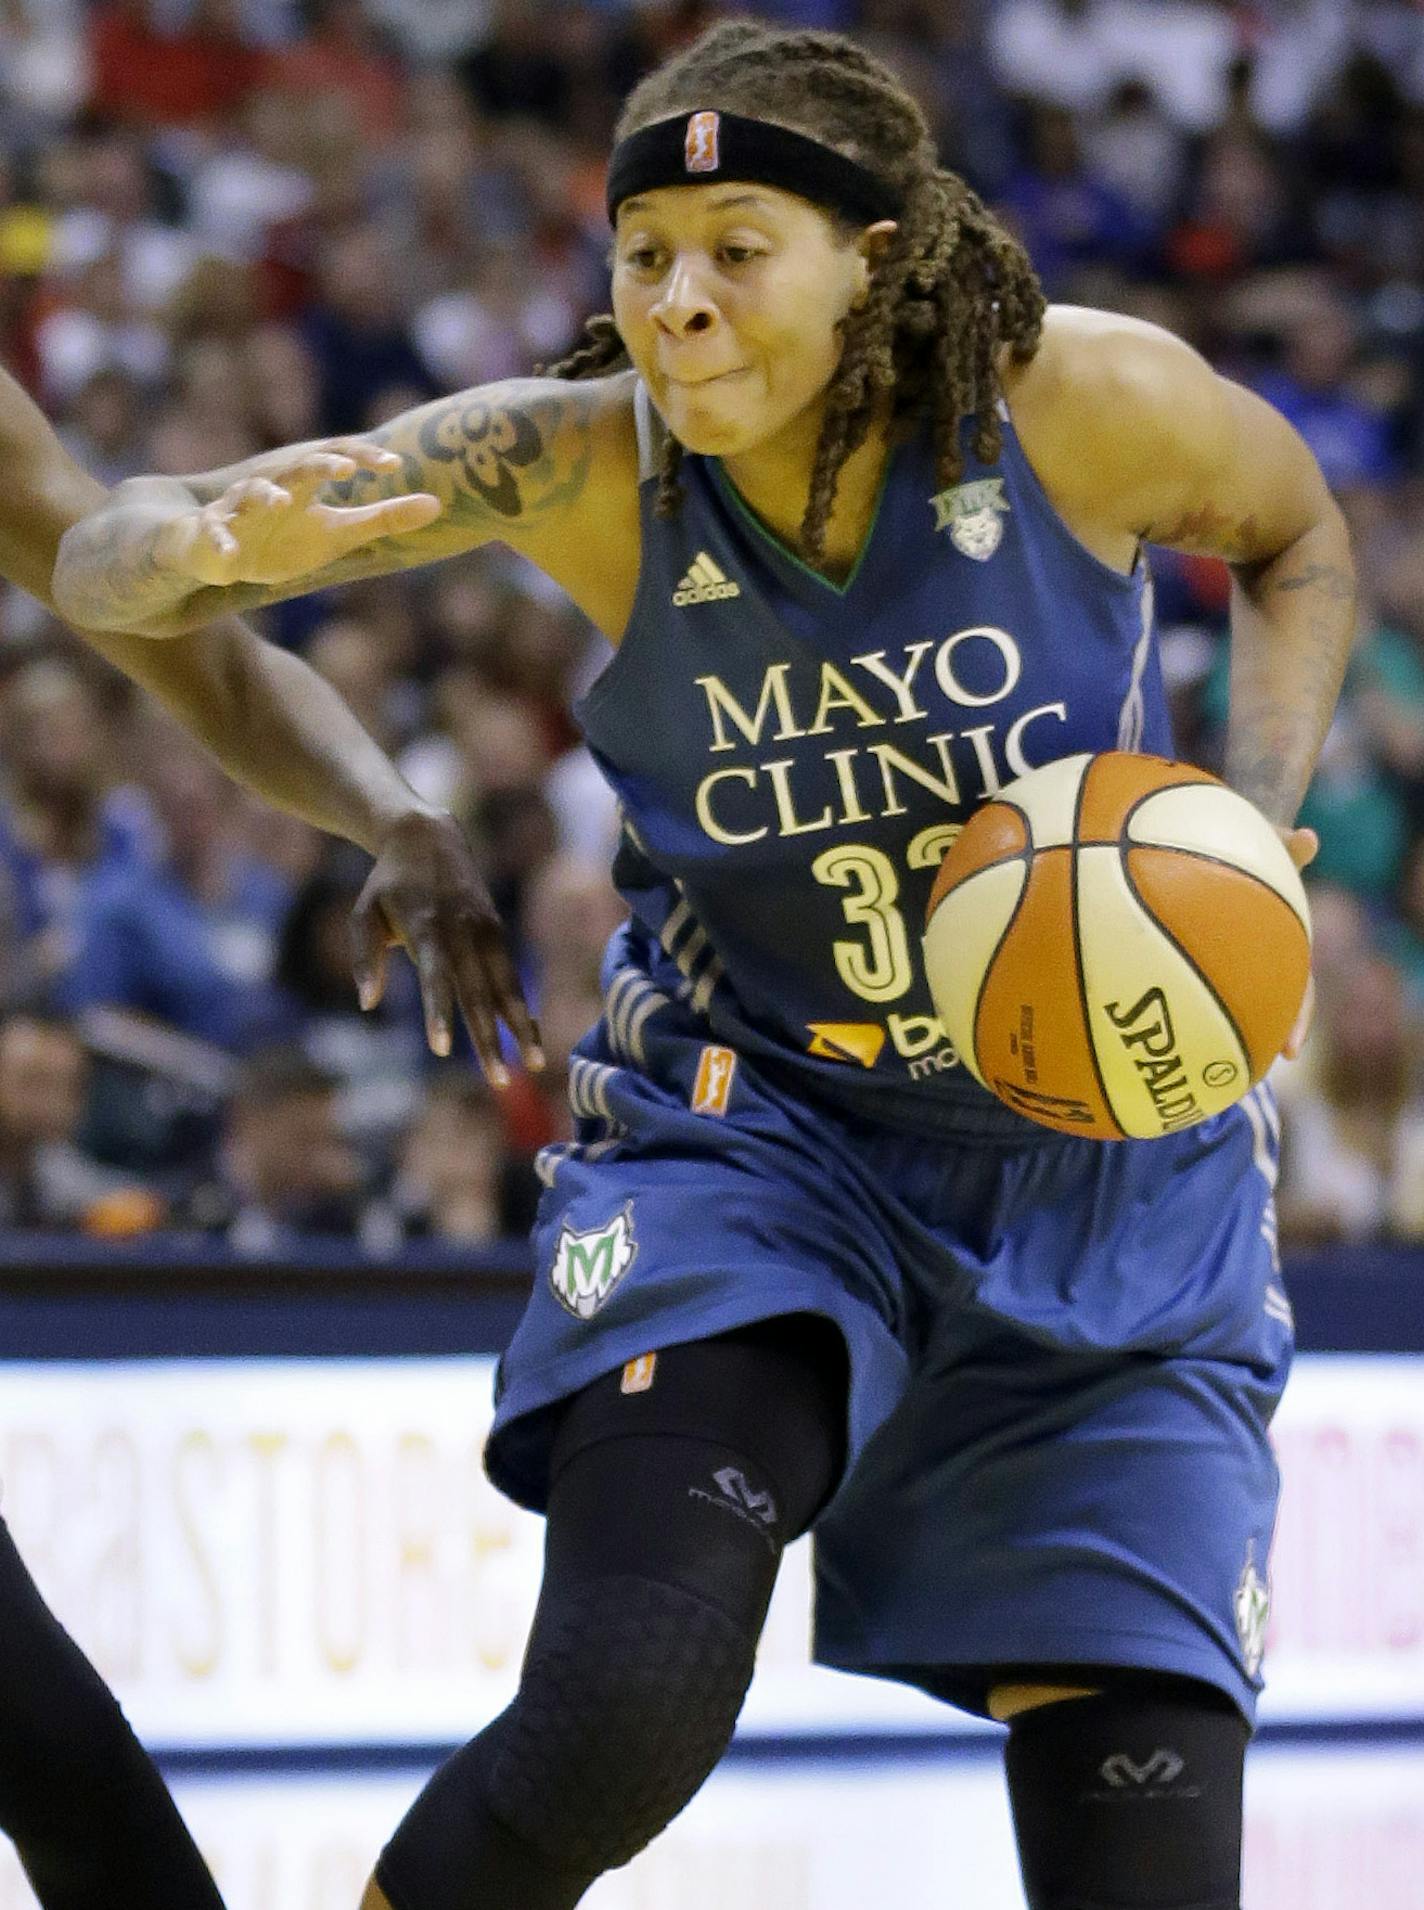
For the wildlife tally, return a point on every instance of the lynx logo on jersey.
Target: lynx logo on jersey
(701, 147)
(1252, 1604)
(588, 1266)
(973, 515)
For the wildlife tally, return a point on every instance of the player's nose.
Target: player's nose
(685, 306)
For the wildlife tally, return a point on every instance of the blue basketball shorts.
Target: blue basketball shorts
(1064, 1354)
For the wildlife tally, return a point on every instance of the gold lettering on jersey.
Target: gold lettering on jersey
(851, 810)
(721, 702)
(719, 833)
(1018, 763)
(1009, 655)
(837, 694)
(791, 824)
(945, 786)
(874, 664)
(791, 796)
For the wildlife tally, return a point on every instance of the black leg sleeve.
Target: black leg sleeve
(668, 1514)
(79, 1796)
(1130, 1800)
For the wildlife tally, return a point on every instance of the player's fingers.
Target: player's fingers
(364, 454)
(1295, 1041)
(218, 538)
(510, 1006)
(387, 517)
(252, 494)
(370, 938)
(1304, 847)
(477, 1005)
(321, 467)
(436, 995)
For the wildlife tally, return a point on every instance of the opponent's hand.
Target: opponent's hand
(426, 895)
(275, 529)
(1302, 846)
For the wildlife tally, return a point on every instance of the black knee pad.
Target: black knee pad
(1130, 1800)
(628, 1699)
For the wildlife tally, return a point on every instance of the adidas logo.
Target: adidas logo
(704, 583)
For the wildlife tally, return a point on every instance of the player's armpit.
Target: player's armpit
(505, 463)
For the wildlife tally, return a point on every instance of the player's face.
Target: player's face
(729, 299)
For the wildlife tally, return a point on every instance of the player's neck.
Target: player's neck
(774, 479)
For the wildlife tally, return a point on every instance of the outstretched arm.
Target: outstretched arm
(280, 729)
(164, 555)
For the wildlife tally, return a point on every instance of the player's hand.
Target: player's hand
(426, 895)
(1301, 846)
(276, 529)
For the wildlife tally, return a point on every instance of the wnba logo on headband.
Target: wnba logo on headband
(700, 147)
(680, 150)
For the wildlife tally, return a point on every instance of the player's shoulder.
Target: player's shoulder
(1090, 360)
(1104, 395)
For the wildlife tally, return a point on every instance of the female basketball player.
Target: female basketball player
(866, 526)
(87, 1811)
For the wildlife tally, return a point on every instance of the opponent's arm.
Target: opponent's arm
(1183, 457)
(505, 462)
(280, 729)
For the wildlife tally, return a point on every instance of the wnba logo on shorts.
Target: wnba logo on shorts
(701, 149)
(713, 1087)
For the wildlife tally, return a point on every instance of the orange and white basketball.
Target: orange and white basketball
(1118, 945)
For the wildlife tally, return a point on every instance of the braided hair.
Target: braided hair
(951, 288)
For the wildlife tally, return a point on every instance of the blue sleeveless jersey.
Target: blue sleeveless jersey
(792, 756)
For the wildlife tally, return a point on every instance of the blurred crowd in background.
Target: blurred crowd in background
(230, 224)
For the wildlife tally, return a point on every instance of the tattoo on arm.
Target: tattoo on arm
(493, 464)
(1286, 678)
(500, 467)
(1334, 584)
(1209, 532)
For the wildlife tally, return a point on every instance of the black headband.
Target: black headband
(697, 148)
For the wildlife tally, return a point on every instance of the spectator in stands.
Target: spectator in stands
(378, 1058)
(47, 1179)
(1066, 214)
(102, 426)
(358, 331)
(1353, 1159)
(188, 937)
(62, 826)
(517, 70)
(456, 1181)
(186, 77)
(340, 55)
(286, 1169)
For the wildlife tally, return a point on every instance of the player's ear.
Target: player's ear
(871, 245)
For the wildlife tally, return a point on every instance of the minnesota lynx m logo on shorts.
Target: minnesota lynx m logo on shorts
(588, 1266)
(1251, 1603)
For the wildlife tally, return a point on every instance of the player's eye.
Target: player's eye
(641, 258)
(740, 254)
